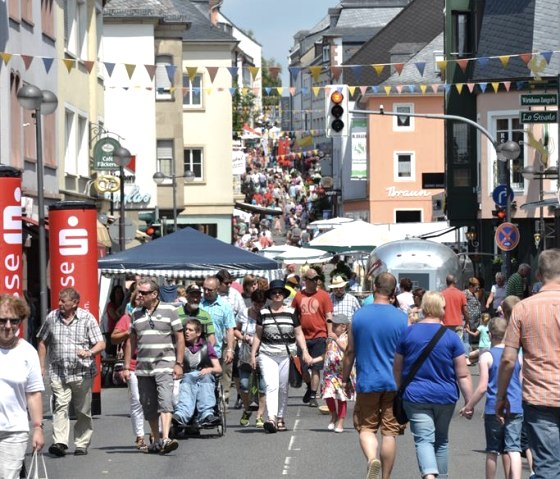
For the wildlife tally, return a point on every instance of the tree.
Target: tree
(270, 81)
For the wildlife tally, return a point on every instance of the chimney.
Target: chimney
(213, 9)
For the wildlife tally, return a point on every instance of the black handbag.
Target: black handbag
(398, 407)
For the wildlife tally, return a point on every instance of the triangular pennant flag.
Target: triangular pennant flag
(520, 85)
(387, 90)
(109, 67)
(421, 66)
(316, 90)
(254, 72)
(151, 70)
(335, 73)
(47, 62)
(411, 88)
(88, 64)
(170, 69)
(245, 91)
(442, 65)
(483, 86)
(471, 86)
(357, 72)
(294, 72)
(496, 86)
(363, 90)
(423, 89)
(212, 71)
(378, 69)
(69, 64)
(274, 72)
(292, 91)
(279, 90)
(232, 91)
(526, 57)
(505, 60)
(463, 64)
(315, 72)
(459, 87)
(267, 90)
(482, 61)
(447, 87)
(351, 90)
(130, 67)
(208, 90)
(6, 57)
(547, 56)
(399, 89)
(233, 71)
(435, 87)
(398, 67)
(507, 85)
(191, 72)
(27, 59)
(304, 90)
(375, 89)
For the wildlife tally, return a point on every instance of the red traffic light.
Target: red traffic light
(150, 230)
(501, 214)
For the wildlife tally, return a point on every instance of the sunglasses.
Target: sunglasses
(144, 293)
(13, 321)
(315, 278)
(276, 292)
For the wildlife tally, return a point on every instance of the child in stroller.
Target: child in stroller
(197, 388)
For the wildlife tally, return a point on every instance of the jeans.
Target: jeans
(136, 412)
(12, 452)
(429, 425)
(543, 429)
(196, 391)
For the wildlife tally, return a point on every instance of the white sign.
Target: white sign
(238, 163)
(131, 197)
(392, 192)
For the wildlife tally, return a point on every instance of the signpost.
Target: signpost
(501, 193)
(103, 152)
(538, 116)
(539, 99)
(507, 236)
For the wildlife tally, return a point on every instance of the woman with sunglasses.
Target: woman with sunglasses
(277, 332)
(21, 387)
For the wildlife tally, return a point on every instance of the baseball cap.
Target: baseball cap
(340, 319)
(293, 279)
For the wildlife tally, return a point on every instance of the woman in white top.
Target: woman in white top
(21, 387)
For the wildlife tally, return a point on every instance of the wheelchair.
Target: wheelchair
(193, 428)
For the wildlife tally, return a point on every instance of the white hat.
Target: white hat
(338, 282)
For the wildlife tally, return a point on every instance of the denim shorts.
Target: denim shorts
(315, 347)
(244, 376)
(501, 438)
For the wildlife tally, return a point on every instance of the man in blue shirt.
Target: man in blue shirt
(372, 342)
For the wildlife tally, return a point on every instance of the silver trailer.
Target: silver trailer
(426, 263)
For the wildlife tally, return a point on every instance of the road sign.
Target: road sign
(538, 116)
(542, 99)
(501, 193)
(507, 236)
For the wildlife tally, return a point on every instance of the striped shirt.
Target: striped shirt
(63, 342)
(535, 327)
(155, 339)
(278, 331)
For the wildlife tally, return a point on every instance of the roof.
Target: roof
(515, 27)
(201, 29)
(414, 27)
(169, 11)
(186, 253)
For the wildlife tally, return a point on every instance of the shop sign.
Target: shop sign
(392, 192)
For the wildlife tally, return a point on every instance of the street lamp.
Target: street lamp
(121, 156)
(42, 102)
(160, 177)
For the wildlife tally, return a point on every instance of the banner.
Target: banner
(359, 149)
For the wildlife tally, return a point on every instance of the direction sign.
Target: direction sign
(538, 116)
(539, 99)
(507, 236)
(500, 195)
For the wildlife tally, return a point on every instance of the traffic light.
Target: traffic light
(154, 230)
(336, 110)
(499, 215)
(151, 228)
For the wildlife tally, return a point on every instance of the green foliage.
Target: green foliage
(268, 81)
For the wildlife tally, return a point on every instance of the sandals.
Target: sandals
(141, 444)
(281, 425)
(270, 426)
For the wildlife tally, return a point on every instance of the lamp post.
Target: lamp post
(121, 156)
(42, 102)
(160, 177)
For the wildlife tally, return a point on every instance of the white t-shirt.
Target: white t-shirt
(20, 373)
(406, 300)
(499, 295)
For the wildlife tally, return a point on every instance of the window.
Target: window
(75, 28)
(408, 216)
(76, 148)
(164, 80)
(192, 91)
(70, 155)
(47, 18)
(13, 10)
(27, 11)
(165, 157)
(194, 161)
(82, 146)
(462, 36)
(438, 57)
(403, 123)
(511, 128)
(326, 53)
(404, 167)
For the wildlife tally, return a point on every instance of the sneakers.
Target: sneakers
(374, 469)
(80, 451)
(259, 423)
(313, 402)
(168, 445)
(209, 421)
(58, 449)
(331, 426)
(245, 418)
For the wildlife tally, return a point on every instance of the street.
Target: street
(307, 450)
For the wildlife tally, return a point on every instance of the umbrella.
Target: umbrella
(330, 223)
(353, 236)
(303, 255)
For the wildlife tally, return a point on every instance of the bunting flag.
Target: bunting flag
(423, 89)
(507, 85)
(212, 72)
(442, 65)
(378, 69)
(69, 64)
(470, 86)
(335, 73)
(463, 64)
(151, 69)
(547, 56)
(363, 90)
(387, 90)
(254, 72)
(482, 61)
(109, 67)
(459, 87)
(315, 73)
(316, 90)
(191, 72)
(6, 57)
(435, 87)
(292, 90)
(294, 72)
(526, 57)
(483, 86)
(170, 69)
(496, 86)
(357, 72)
(421, 66)
(399, 89)
(47, 62)
(88, 65)
(398, 67)
(129, 67)
(27, 59)
(351, 90)
(233, 71)
(504, 59)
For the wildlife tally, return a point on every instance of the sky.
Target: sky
(274, 23)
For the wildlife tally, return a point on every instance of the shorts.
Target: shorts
(315, 347)
(244, 377)
(156, 394)
(503, 438)
(374, 411)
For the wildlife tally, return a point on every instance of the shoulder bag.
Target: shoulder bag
(398, 408)
(295, 376)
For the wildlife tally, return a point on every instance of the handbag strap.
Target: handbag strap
(420, 360)
(279, 330)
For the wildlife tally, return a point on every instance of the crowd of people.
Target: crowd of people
(402, 343)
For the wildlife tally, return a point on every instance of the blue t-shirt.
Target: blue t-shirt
(435, 382)
(514, 387)
(484, 337)
(376, 329)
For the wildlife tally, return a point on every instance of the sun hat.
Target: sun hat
(338, 282)
(293, 279)
(275, 285)
(340, 319)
